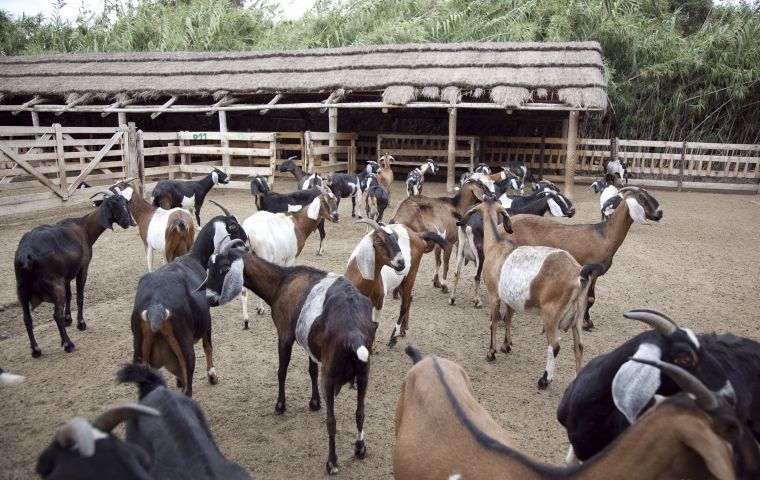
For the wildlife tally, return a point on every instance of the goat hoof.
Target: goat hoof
(81, 326)
(491, 355)
(543, 382)
(245, 325)
(353, 215)
(478, 304)
(36, 352)
(67, 321)
(332, 468)
(436, 283)
(260, 311)
(392, 342)
(279, 408)
(588, 326)
(360, 450)
(69, 347)
(452, 300)
(213, 379)
(314, 404)
(445, 289)
(505, 348)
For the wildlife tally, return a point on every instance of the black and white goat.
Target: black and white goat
(522, 173)
(416, 178)
(189, 194)
(350, 185)
(7, 378)
(49, 257)
(612, 391)
(480, 168)
(377, 199)
(167, 437)
(274, 202)
(618, 169)
(305, 180)
(609, 198)
(538, 203)
(169, 316)
(321, 311)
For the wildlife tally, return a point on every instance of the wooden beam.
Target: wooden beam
(94, 163)
(571, 155)
(333, 130)
(80, 99)
(164, 107)
(61, 158)
(224, 101)
(35, 101)
(274, 100)
(451, 168)
(335, 97)
(112, 108)
(224, 142)
(26, 166)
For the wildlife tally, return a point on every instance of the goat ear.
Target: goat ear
(314, 207)
(713, 450)
(507, 223)
(635, 383)
(106, 216)
(554, 207)
(636, 211)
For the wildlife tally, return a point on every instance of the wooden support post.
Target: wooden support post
(450, 171)
(378, 152)
(224, 142)
(35, 119)
(164, 107)
(276, 99)
(571, 155)
(273, 158)
(183, 159)
(172, 163)
(59, 151)
(333, 129)
(141, 163)
(542, 154)
(683, 162)
(132, 158)
(35, 101)
(121, 118)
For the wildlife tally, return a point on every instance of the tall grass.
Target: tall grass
(679, 69)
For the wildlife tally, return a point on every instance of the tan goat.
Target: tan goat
(589, 243)
(385, 175)
(442, 432)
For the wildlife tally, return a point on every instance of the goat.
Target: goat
(279, 238)
(692, 435)
(416, 178)
(425, 214)
(538, 203)
(385, 174)
(50, 256)
(480, 168)
(321, 311)
(7, 378)
(589, 243)
(167, 437)
(349, 185)
(612, 390)
(522, 173)
(170, 232)
(386, 260)
(305, 180)
(609, 198)
(187, 194)
(286, 202)
(470, 239)
(618, 169)
(547, 279)
(169, 316)
(503, 181)
(377, 200)
(545, 184)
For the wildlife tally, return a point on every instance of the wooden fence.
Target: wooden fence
(412, 150)
(341, 157)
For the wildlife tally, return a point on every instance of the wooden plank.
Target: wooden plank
(61, 161)
(154, 171)
(168, 150)
(337, 167)
(274, 100)
(241, 185)
(225, 143)
(325, 150)
(340, 136)
(94, 163)
(232, 170)
(460, 138)
(451, 154)
(160, 136)
(13, 157)
(570, 159)
(163, 107)
(242, 136)
(425, 153)
(749, 147)
(254, 152)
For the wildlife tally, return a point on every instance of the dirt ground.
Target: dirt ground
(699, 264)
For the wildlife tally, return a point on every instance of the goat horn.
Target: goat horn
(128, 180)
(77, 433)
(218, 247)
(705, 399)
(227, 246)
(369, 222)
(108, 420)
(630, 189)
(226, 212)
(657, 320)
(105, 193)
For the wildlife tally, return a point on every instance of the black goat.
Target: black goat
(349, 185)
(50, 256)
(286, 202)
(540, 203)
(167, 438)
(377, 200)
(613, 390)
(321, 311)
(305, 180)
(189, 194)
(169, 316)
(522, 173)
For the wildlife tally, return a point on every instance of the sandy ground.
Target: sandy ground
(700, 265)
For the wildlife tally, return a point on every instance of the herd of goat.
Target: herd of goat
(703, 414)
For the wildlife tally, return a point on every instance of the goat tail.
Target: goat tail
(357, 345)
(589, 272)
(155, 315)
(25, 261)
(432, 239)
(179, 225)
(145, 377)
(414, 354)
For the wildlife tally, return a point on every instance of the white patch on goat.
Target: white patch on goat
(212, 372)
(554, 208)
(215, 177)
(505, 201)
(364, 252)
(392, 278)
(98, 434)
(549, 363)
(220, 233)
(455, 476)
(518, 272)
(727, 392)
(314, 207)
(397, 330)
(360, 436)
(635, 383)
(294, 208)
(571, 459)
(692, 337)
(188, 202)
(607, 193)
(308, 183)
(311, 310)
(11, 378)
(272, 236)
(127, 193)
(156, 237)
(376, 313)
(636, 211)
(362, 353)
(233, 282)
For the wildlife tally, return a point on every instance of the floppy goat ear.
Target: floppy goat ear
(635, 383)
(506, 222)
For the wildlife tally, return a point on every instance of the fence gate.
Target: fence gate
(44, 167)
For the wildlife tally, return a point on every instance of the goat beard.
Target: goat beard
(233, 282)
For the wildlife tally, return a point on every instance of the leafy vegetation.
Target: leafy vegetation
(678, 69)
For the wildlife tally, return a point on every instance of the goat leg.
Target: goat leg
(446, 258)
(244, 301)
(437, 251)
(208, 349)
(506, 347)
(328, 385)
(59, 315)
(36, 351)
(67, 314)
(491, 355)
(587, 323)
(460, 262)
(321, 228)
(284, 349)
(81, 281)
(314, 403)
(360, 449)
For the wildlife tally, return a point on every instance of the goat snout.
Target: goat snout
(212, 298)
(398, 265)
(658, 214)
(334, 217)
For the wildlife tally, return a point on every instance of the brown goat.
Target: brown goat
(589, 243)
(442, 432)
(425, 214)
(385, 175)
(524, 278)
(398, 248)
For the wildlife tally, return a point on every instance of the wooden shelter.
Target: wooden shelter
(558, 79)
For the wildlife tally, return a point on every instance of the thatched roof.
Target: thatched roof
(509, 74)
